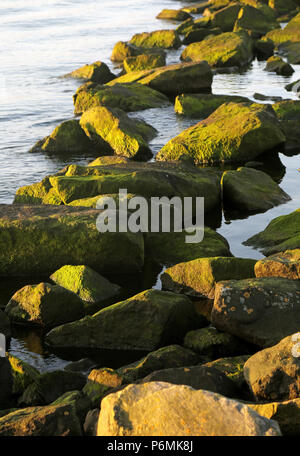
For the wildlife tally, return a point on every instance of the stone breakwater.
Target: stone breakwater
(216, 351)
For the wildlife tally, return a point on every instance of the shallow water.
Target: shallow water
(44, 39)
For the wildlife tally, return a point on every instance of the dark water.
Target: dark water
(44, 39)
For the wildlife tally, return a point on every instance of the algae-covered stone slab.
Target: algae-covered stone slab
(203, 105)
(225, 18)
(261, 311)
(282, 264)
(251, 190)
(96, 72)
(166, 39)
(173, 15)
(290, 33)
(144, 62)
(41, 239)
(164, 409)
(199, 277)
(122, 50)
(282, 233)
(144, 322)
(235, 132)
(254, 21)
(225, 50)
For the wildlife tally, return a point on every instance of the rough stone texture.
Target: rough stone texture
(261, 311)
(202, 105)
(163, 409)
(23, 374)
(174, 15)
(167, 39)
(96, 72)
(277, 65)
(233, 368)
(254, 21)
(123, 50)
(282, 264)
(144, 62)
(290, 33)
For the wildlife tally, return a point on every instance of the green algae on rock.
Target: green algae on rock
(282, 264)
(23, 374)
(144, 62)
(96, 72)
(203, 105)
(254, 21)
(287, 109)
(291, 32)
(198, 34)
(122, 50)
(277, 65)
(235, 132)
(225, 18)
(166, 39)
(174, 15)
(232, 367)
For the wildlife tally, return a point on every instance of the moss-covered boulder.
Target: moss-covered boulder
(122, 50)
(287, 109)
(44, 304)
(282, 6)
(78, 400)
(100, 383)
(6, 383)
(166, 39)
(144, 322)
(251, 190)
(127, 137)
(225, 18)
(273, 374)
(4, 324)
(282, 233)
(277, 65)
(283, 264)
(254, 21)
(225, 50)
(96, 72)
(203, 105)
(90, 286)
(199, 277)
(41, 239)
(291, 32)
(128, 97)
(173, 79)
(263, 49)
(109, 160)
(235, 132)
(68, 137)
(291, 130)
(23, 374)
(233, 368)
(291, 51)
(173, 15)
(164, 409)
(261, 311)
(195, 35)
(144, 62)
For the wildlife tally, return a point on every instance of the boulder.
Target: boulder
(254, 21)
(90, 286)
(203, 105)
(78, 400)
(41, 239)
(283, 264)
(199, 277)
(263, 49)
(164, 409)
(291, 51)
(293, 86)
(45, 305)
(198, 34)
(146, 321)
(123, 50)
(290, 33)
(225, 18)
(251, 190)
(273, 374)
(287, 109)
(173, 15)
(276, 65)
(235, 132)
(23, 374)
(225, 50)
(96, 72)
(126, 136)
(282, 6)
(233, 368)
(128, 97)
(91, 422)
(261, 311)
(281, 234)
(291, 130)
(6, 383)
(166, 39)
(144, 62)
(100, 383)
(4, 324)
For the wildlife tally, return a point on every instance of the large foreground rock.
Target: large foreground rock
(261, 311)
(234, 132)
(283, 264)
(144, 322)
(41, 239)
(163, 409)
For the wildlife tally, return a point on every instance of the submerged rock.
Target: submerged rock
(96, 72)
(284, 264)
(203, 105)
(276, 65)
(144, 62)
(166, 39)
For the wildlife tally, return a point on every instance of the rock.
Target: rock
(199, 277)
(287, 109)
(164, 409)
(78, 400)
(273, 374)
(198, 34)
(84, 366)
(173, 79)
(197, 377)
(261, 311)
(254, 21)
(203, 105)
(41, 239)
(144, 322)
(251, 190)
(225, 50)
(123, 50)
(264, 49)
(284, 264)
(96, 72)
(6, 383)
(128, 97)
(126, 136)
(281, 234)
(233, 368)
(91, 422)
(174, 15)
(68, 137)
(291, 129)
(291, 32)
(235, 132)
(291, 51)
(166, 39)
(23, 374)
(225, 18)
(259, 96)
(293, 86)
(90, 286)
(163, 358)
(50, 386)
(214, 344)
(44, 304)
(276, 65)
(100, 383)
(4, 325)
(59, 420)
(104, 161)
(282, 6)
(144, 62)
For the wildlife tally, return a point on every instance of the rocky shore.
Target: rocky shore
(216, 350)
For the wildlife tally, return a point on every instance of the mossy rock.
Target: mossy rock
(78, 400)
(122, 50)
(282, 6)
(251, 190)
(287, 109)
(96, 72)
(96, 392)
(263, 49)
(232, 367)
(173, 15)
(198, 34)
(126, 136)
(94, 201)
(146, 321)
(276, 65)
(104, 161)
(254, 21)
(41, 239)
(235, 132)
(203, 105)
(197, 8)
(291, 32)
(282, 233)
(5, 325)
(225, 18)
(199, 277)
(166, 39)
(284, 264)
(144, 62)
(225, 50)
(291, 130)
(291, 51)
(23, 374)
(128, 97)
